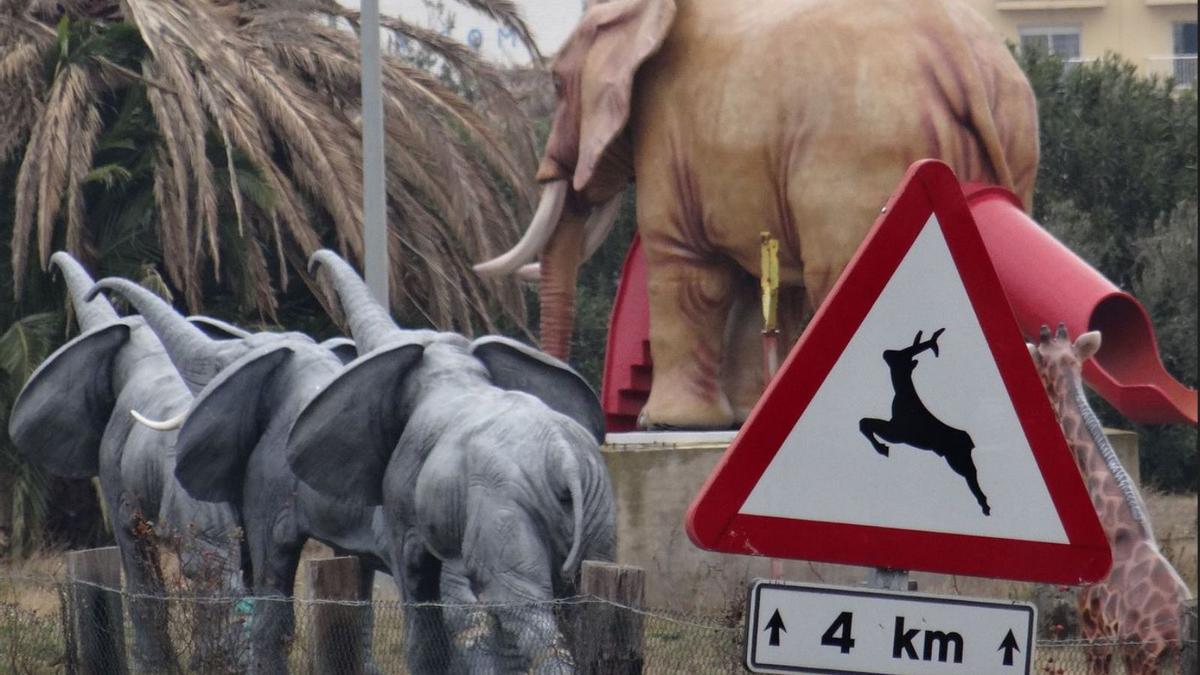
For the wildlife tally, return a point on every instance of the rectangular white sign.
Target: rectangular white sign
(810, 628)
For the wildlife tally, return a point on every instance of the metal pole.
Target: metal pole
(769, 280)
(375, 243)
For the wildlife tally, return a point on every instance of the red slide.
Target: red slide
(1045, 282)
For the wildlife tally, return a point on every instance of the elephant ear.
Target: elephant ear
(224, 424)
(619, 36)
(342, 347)
(518, 367)
(61, 413)
(342, 441)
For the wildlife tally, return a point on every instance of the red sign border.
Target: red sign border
(713, 522)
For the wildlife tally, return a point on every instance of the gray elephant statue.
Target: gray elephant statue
(485, 456)
(232, 447)
(73, 417)
(797, 117)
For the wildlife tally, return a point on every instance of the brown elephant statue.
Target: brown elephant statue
(796, 117)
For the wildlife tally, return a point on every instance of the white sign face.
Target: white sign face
(809, 628)
(890, 444)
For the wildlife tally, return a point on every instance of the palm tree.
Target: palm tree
(23, 486)
(219, 140)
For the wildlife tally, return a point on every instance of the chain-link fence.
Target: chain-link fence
(50, 626)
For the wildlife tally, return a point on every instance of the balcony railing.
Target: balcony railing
(1022, 5)
(1182, 67)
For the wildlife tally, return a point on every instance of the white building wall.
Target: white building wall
(551, 21)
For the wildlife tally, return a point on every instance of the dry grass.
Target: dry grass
(1174, 518)
(48, 566)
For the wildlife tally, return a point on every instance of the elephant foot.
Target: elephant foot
(740, 415)
(645, 425)
(685, 421)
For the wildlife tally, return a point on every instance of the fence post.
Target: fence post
(608, 638)
(335, 641)
(1189, 653)
(97, 617)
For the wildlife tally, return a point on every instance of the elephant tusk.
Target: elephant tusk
(545, 219)
(596, 230)
(531, 272)
(599, 224)
(165, 425)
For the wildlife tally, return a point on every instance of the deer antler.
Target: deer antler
(930, 344)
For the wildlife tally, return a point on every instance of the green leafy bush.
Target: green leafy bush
(1117, 184)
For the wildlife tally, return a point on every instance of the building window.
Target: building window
(1185, 53)
(1060, 40)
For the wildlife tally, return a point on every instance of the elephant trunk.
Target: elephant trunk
(197, 358)
(90, 313)
(370, 324)
(556, 290)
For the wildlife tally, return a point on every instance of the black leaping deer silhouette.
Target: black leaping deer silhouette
(913, 424)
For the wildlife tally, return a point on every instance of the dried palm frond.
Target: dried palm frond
(274, 85)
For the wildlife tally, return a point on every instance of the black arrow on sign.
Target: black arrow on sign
(775, 625)
(1009, 646)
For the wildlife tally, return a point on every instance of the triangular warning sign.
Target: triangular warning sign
(908, 428)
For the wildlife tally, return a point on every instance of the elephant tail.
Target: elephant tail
(574, 478)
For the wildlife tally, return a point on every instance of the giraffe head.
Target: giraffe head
(1059, 362)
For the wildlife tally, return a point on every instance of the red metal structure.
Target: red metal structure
(1045, 283)
(627, 365)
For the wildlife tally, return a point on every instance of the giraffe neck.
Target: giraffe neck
(1098, 460)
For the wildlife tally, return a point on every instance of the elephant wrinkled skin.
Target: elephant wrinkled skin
(74, 418)
(232, 447)
(796, 117)
(485, 456)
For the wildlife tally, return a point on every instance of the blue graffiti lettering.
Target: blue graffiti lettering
(503, 34)
(475, 38)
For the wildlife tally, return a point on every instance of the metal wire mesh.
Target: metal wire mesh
(39, 634)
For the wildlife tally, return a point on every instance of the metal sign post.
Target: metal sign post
(769, 280)
(375, 244)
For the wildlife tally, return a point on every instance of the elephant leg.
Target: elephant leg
(366, 591)
(471, 627)
(148, 610)
(214, 570)
(426, 642)
(742, 369)
(689, 306)
(829, 236)
(273, 621)
(794, 313)
(510, 568)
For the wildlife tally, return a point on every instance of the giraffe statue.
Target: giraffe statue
(1138, 604)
